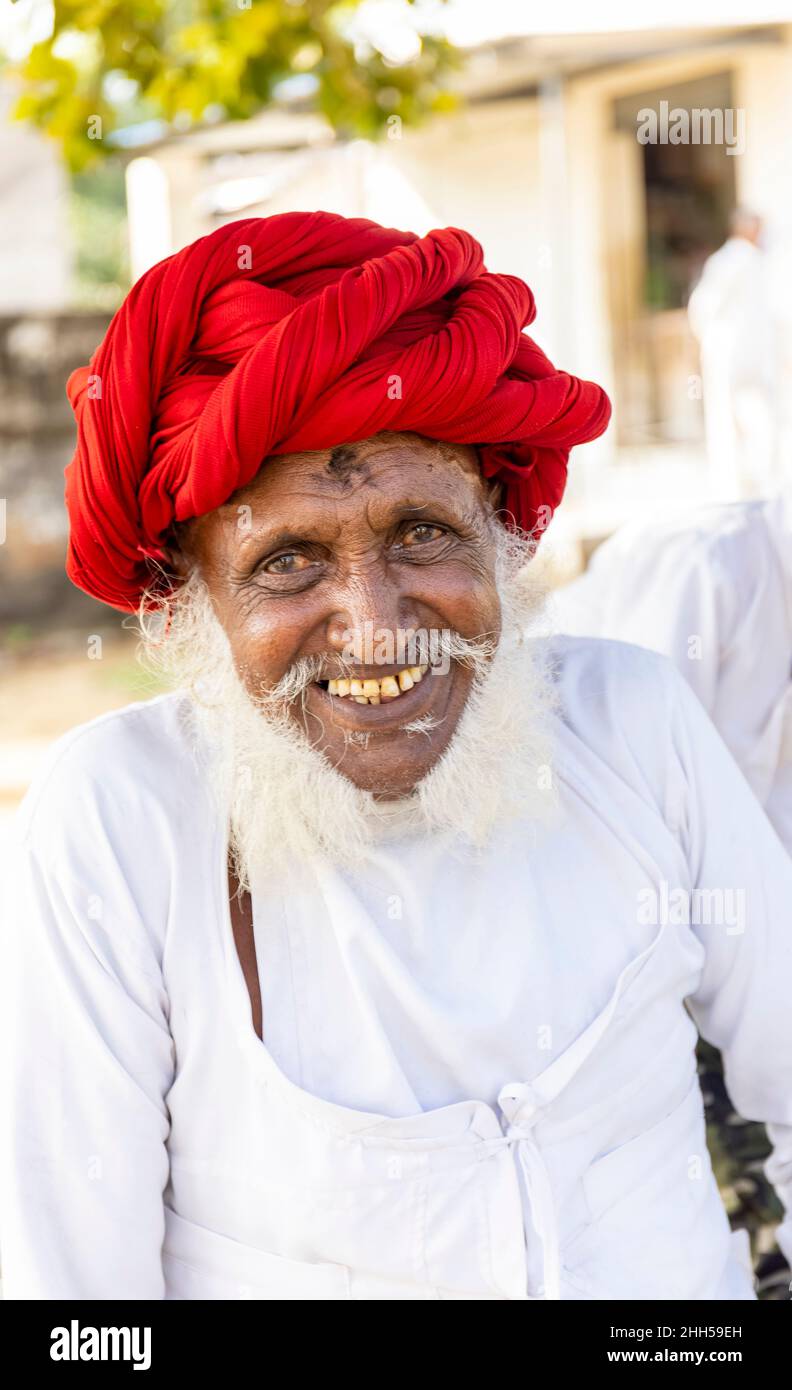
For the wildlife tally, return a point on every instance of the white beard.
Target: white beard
(283, 800)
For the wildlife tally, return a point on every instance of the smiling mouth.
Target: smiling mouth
(375, 692)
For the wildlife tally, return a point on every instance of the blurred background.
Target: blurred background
(595, 152)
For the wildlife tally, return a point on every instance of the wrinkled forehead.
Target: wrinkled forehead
(371, 481)
(396, 461)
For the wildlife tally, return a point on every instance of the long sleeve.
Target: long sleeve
(741, 911)
(87, 1057)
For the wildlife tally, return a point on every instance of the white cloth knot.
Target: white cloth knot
(520, 1104)
(521, 1107)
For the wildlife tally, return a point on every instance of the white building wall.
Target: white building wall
(35, 242)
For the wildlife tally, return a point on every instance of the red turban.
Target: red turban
(304, 331)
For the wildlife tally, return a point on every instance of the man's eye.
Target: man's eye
(289, 563)
(423, 531)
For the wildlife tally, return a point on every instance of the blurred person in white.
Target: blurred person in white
(732, 315)
(385, 992)
(710, 588)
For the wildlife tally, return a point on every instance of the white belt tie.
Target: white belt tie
(521, 1109)
(522, 1105)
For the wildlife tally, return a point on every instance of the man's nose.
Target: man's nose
(369, 602)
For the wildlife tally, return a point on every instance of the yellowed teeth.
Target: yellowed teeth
(374, 692)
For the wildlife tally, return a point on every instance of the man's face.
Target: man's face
(384, 536)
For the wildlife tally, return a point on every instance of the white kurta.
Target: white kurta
(712, 590)
(477, 1079)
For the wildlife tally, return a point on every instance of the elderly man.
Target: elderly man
(367, 964)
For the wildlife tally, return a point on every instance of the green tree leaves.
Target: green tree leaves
(111, 63)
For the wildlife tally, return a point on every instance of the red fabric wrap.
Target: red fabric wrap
(303, 331)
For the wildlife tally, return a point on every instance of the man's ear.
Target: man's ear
(177, 561)
(177, 553)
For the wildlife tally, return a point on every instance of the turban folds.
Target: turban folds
(304, 331)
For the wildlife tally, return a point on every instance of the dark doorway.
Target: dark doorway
(688, 192)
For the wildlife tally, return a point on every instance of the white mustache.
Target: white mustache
(446, 645)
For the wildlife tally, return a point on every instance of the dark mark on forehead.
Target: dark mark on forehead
(344, 461)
